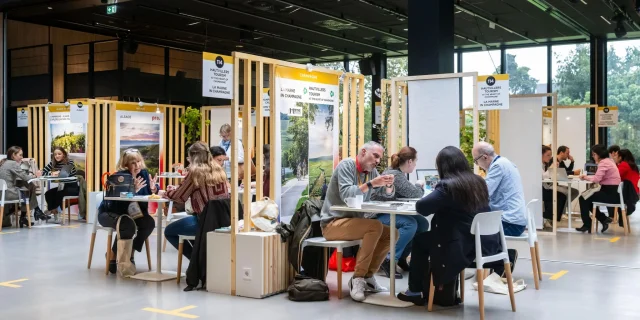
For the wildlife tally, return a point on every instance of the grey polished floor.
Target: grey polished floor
(601, 279)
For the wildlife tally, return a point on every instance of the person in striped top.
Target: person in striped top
(60, 164)
(206, 180)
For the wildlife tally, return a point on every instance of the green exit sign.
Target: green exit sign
(112, 9)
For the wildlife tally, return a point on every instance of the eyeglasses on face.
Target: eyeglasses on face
(475, 160)
(131, 151)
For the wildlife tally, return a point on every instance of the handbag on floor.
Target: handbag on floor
(126, 268)
(308, 289)
(264, 214)
(445, 295)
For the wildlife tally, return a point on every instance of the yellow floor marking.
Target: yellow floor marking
(557, 275)
(10, 284)
(9, 232)
(175, 312)
(612, 240)
(70, 227)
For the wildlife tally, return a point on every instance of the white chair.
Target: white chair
(3, 202)
(484, 224)
(96, 227)
(531, 236)
(172, 217)
(339, 245)
(66, 206)
(181, 240)
(615, 206)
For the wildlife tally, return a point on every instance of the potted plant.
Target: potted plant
(192, 120)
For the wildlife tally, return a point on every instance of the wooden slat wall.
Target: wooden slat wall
(36, 134)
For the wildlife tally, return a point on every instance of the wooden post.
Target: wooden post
(352, 119)
(361, 119)
(259, 131)
(345, 117)
(234, 168)
(247, 136)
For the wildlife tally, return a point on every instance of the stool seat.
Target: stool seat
(339, 245)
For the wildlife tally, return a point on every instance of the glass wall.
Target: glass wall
(483, 62)
(527, 69)
(571, 72)
(623, 91)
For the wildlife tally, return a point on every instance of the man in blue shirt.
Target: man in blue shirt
(505, 188)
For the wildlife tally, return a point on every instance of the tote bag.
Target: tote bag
(126, 268)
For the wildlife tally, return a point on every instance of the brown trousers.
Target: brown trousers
(375, 242)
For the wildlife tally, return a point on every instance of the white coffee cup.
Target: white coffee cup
(354, 203)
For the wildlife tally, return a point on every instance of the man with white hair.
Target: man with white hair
(353, 177)
(505, 187)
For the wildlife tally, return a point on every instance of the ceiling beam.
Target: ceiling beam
(257, 32)
(165, 29)
(471, 13)
(341, 19)
(291, 24)
(560, 17)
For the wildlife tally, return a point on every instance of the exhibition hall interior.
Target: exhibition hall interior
(279, 159)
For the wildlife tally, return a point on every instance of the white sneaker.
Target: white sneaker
(357, 287)
(373, 286)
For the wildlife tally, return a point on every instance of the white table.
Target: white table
(46, 181)
(569, 184)
(382, 299)
(171, 177)
(158, 275)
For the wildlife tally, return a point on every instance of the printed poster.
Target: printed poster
(79, 112)
(607, 116)
(23, 117)
(141, 128)
(63, 133)
(493, 92)
(217, 76)
(307, 146)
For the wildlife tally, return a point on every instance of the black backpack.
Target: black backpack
(446, 295)
(308, 289)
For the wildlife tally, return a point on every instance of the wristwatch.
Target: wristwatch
(369, 185)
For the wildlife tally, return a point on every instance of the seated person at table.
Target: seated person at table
(547, 191)
(60, 163)
(403, 163)
(613, 151)
(130, 162)
(449, 245)
(219, 155)
(15, 177)
(608, 178)
(350, 178)
(505, 188)
(205, 181)
(564, 154)
(628, 168)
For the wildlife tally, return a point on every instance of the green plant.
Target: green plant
(192, 120)
(466, 134)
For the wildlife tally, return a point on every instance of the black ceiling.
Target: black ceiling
(324, 29)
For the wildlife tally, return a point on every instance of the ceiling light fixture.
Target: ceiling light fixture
(585, 3)
(50, 8)
(193, 23)
(406, 29)
(157, 108)
(239, 46)
(192, 16)
(605, 20)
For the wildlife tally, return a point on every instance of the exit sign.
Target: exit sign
(112, 9)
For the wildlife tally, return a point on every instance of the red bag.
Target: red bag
(348, 264)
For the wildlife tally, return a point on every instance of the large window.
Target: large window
(483, 62)
(527, 69)
(571, 72)
(623, 91)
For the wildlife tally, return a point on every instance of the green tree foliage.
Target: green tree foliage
(573, 77)
(297, 156)
(192, 120)
(73, 143)
(520, 82)
(623, 91)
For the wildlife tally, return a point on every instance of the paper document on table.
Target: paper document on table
(388, 205)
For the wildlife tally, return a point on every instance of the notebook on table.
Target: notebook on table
(590, 168)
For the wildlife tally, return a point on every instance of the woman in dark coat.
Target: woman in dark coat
(455, 201)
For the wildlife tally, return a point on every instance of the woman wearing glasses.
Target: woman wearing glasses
(225, 143)
(130, 162)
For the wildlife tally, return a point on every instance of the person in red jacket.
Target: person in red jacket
(627, 167)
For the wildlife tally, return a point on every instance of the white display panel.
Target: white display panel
(522, 145)
(572, 132)
(434, 118)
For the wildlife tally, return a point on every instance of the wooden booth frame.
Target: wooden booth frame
(352, 110)
(398, 117)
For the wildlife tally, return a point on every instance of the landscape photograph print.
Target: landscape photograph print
(145, 137)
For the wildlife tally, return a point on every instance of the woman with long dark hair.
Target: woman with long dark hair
(608, 178)
(627, 167)
(449, 245)
(59, 164)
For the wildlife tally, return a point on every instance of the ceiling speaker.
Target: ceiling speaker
(367, 67)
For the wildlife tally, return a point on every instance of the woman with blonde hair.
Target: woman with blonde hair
(130, 162)
(205, 181)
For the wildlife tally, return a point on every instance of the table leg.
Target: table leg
(159, 238)
(569, 213)
(392, 254)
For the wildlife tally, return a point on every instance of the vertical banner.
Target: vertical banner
(217, 76)
(493, 92)
(63, 133)
(23, 118)
(143, 129)
(307, 146)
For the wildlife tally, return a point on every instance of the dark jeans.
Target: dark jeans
(54, 196)
(607, 194)
(183, 227)
(547, 199)
(419, 272)
(512, 230)
(145, 226)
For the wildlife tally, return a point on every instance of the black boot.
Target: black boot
(386, 268)
(23, 220)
